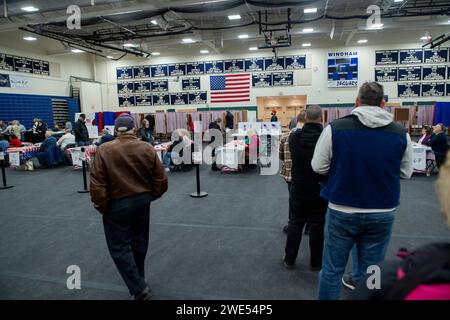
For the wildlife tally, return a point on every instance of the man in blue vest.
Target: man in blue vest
(364, 156)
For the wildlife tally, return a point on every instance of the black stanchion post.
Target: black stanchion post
(5, 186)
(198, 194)
(85, 190)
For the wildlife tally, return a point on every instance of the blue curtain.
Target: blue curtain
(442, 113)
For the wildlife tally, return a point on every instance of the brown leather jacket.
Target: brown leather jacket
(125, 167)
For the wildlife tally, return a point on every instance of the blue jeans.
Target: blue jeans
(167, 159)
(367, 233)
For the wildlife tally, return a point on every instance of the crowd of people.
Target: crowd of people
(348, 208)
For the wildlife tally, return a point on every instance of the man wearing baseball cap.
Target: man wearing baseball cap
(126, 176)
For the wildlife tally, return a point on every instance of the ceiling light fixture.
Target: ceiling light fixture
(310, 10)
(234, 17)
(29, 38)
(243, 36)
(204, 51)
(155, 53)
(398, 0)
(110, 57)
(130, 45)
(30, 9)
(154, 22)
(187, 40)
(306, 45)
(77, 50)
(424, 38)
(307, 30)
(362, 41)
(253, 48)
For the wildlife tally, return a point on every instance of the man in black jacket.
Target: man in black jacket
(214, 125)
(81, 132)
(305, 201)
(439, 144)
(229, 120)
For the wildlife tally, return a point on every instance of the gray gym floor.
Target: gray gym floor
(228, 245)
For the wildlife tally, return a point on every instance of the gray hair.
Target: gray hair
(371, 94)
(218, 120)
(314, 114)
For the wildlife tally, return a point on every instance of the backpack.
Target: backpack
(422, 275)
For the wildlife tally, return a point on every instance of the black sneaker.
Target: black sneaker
(145, 294)
(288, 265)
(315, 269)
(348, 282)
(285, 229)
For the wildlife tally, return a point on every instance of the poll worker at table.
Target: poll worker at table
(174, 150)
(364, 155)
(67, 139)
(439, 143)
(216, 126)
(81, 131)
(307, 206)
(426, 135)
(145, 132)
(14, 141)
(284, 154)
(44, 150)
(3, 143)
(125, 178)
(105, 136)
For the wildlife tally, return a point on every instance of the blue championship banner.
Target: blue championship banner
(188, 84)
(141, 72)
(409, 73)
(385, 74)
(254, 64)
(447, 89)
(158, 85)
(386, 57)
(41, 67)
(295, 62)
(23, 65)
(143, 99)
(126, 101)
(435, 56)
(195, 68)
(142, 86)
(411, 56)
(160, 70)
(197, 97)
(262, 80)
(4, 81)
(179, 98)
(125, 88)
(214, 67)
(433, 73)
(124, 73)
(433, 89)
(177, 69)
(232, 66)
(6, 62)
(283, 78)
(409, 90)
(274, 64)
(161, 99)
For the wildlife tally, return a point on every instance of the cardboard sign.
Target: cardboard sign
(14, 159)
(77, 157)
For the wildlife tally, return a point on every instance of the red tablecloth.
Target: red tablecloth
(88, 150)
(24, 149)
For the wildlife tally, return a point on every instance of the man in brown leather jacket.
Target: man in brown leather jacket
(126, 176)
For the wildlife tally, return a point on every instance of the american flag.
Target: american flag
(230, 88)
